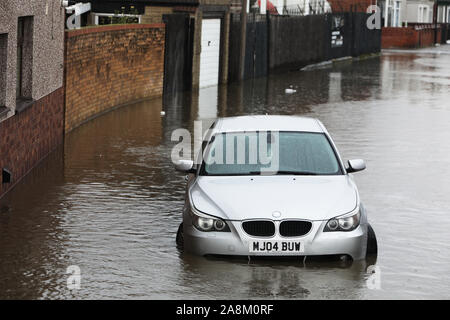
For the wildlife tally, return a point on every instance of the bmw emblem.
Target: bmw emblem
(276, 214)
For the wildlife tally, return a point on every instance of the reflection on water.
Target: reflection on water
(266, 279)
(110, 202)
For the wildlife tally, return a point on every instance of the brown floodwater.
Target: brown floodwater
(110, 202)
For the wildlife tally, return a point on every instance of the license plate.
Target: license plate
(275, 247)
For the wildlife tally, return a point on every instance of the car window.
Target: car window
(248, 153)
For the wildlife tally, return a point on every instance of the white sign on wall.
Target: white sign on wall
(74, 21)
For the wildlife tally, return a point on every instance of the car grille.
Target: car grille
(259, 228)
(294, 228)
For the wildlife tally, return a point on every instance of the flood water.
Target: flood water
(110, 202)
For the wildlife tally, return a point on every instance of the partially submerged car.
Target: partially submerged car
(273, 186)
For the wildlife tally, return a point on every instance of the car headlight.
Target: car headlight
(346, 222)
(204, 222)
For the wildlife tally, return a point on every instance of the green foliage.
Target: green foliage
(120, 17)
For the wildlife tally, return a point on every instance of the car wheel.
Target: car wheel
(372, 246)
(180, 238)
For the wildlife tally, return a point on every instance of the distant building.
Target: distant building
(419, 11)
(134, 11)
(304, 7)
(393, 12)
(351, 5)
(443, 14)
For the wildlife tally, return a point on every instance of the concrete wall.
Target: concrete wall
(3, 67)
(47, 50)
(111, 66)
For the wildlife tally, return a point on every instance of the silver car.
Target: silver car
(273, 186)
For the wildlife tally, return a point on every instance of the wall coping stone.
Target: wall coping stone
(116, 27)
(22, 104)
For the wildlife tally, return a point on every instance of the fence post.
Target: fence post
(243, 39)
(268, 22)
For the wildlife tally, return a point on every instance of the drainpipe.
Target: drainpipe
(435, 21)
(243, 38)
(386, 9)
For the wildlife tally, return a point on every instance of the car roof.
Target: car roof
(268, 123)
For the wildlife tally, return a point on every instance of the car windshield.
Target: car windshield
(259, 153)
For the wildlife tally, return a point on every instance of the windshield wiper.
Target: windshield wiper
(284, 172)
(254, 173)
(297, 173)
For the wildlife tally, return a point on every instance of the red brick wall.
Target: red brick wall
(26, 138)
(111, 66)
(407, 37)
(398, 38)
(347, 5)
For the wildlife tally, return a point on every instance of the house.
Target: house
(443, 14)
(31, 81)
(351, 5)
(393, 12)
(419, 11)
(302, 7)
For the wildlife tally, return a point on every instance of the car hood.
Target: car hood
(301, 197)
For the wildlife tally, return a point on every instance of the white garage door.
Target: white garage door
(209, 57)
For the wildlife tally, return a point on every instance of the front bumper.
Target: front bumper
(316, 242)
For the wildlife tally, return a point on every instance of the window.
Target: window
(396, 16)
(3, 64)
(423, 14)
(391, 13)
(248, 153)
(24, 65)
(105, 18)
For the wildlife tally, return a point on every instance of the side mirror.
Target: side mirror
(186, 166)
(355, 165)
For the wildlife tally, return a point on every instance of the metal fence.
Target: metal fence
(291, 41)
(313, 7)
(306, 8)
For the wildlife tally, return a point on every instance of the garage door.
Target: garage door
(209, 57)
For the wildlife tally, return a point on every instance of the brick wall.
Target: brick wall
(111, 66)
(407, 37)
(26, 138)
(154, 14)
(347, 5)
